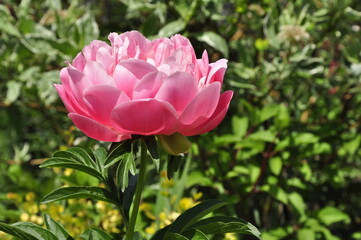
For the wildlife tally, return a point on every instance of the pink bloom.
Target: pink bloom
(142, 87)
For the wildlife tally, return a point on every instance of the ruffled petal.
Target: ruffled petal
(95, 130)
(79, 62)
(215, 119)
(101, 99)
(178, 89)
(216, 73)
(202, 106)
(149, 85)
(96, 74)
(145, 117)
(138, 68)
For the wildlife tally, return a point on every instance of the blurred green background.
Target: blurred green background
(287, 156)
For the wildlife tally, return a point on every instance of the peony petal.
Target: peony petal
(77, 85)
(149, 85)
(124, 80)
(145, 117)
(95, 130)
(215, 119)
(90, 51)
(79, 62)
(203, 65)
(101, 99)
(96, 74)
(106, 60)
(64, 97)
(178, 89)
(216, 73)
(138, 68)
(202, 106)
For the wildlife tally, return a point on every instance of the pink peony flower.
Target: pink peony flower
(142, 87)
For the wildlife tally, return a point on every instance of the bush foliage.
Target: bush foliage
(287, 156)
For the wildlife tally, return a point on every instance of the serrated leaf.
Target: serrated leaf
(194, 214)
(95, 234)
(69, 163)
(16, 232)
(35, 230)
(224, 224)
(116, 152)
(126, 166)
(96, 193)
(216, 41)
(56, 228)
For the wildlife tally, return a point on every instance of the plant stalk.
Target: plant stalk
(138, 191)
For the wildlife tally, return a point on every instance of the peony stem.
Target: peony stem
(138, 191)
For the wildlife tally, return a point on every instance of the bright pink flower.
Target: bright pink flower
(142, 87)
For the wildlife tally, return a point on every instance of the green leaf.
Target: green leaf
(100, 155)
(306, 233)
(56, 228)
(268, 112)
(330, 215)
(126, 165)
(16, 232)
(128, 194)
(174, 236)
(95, 234)
(35, 230)
(13, 91)
(79, 192)
(239, 126)
(76, 154)
(152, 146)
(195, 234)
(69, 163)
(160, 233)
(172, 28)
(116, 151)
(173, 165)
(224, 224)
(297, 202)
(275, 164)
(194, 214)
(185, 8)
(216, 41)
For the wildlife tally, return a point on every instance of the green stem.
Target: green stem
(138, 191)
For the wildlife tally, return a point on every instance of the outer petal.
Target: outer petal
(215, 119)
(178, 89)
(149, 85)
(95, 130)
(101, 99)
(216, 73)
(145, 117)
(202, 106)
(77, 83)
